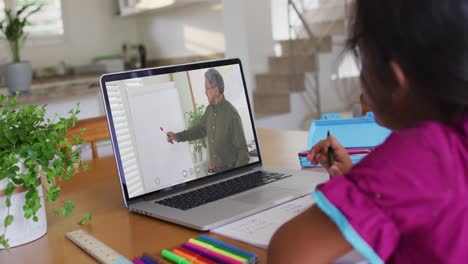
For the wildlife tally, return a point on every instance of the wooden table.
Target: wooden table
(98, 192)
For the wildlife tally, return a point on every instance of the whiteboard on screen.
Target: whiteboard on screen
(151, 107)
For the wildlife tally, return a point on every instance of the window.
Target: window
(47, 22)
(2, 7)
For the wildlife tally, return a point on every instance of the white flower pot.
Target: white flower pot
(18, 76)
(22, 230)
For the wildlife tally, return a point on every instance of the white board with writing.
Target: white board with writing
(152, 107)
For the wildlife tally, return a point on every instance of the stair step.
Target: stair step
(305, 46)
(271, 104)
(282, 65)
(324, 29)
(328, 3)
(325, 14)
(269, 83)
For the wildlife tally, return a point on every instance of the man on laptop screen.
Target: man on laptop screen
(221, 125)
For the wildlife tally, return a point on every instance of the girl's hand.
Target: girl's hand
(318, 154)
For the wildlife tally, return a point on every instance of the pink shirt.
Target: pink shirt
(407, 201)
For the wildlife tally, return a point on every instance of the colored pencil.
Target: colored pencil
(192, 257)
(219, 251)
(220, 244)
(209, 254)
(136, 260)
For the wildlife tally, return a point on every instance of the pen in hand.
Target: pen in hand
(350, 151)
(330, 156)
(166, 135)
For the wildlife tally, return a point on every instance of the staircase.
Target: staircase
(273, 89)
(291, 75)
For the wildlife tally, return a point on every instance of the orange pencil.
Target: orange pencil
(192, 257)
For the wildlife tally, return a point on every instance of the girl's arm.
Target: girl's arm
(310, 237)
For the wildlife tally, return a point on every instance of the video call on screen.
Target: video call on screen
(144, 110)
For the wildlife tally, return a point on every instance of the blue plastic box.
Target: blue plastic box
(351, 133)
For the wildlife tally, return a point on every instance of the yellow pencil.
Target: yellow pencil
(217, 250)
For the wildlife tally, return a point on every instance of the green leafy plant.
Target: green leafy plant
(31, 145)
(13, 26)
(193, 119)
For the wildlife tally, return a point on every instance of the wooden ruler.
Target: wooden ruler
(97, 249)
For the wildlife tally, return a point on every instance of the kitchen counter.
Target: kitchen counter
(58, 88)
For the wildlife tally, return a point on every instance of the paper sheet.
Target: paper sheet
(258, 229)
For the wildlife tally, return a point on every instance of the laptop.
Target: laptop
(210, 172)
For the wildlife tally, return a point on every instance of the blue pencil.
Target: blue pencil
(147, 260)
(252, 257)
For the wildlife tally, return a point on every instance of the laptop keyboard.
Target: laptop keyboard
(198, 197)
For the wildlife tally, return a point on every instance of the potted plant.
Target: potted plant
(18, 74)
(193, 119)
(32, 145)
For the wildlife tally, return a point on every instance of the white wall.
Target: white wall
(191, 30)
(183, 86)
(339, 78)
(91, 28)
(248, 33)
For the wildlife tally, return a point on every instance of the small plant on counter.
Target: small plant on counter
(13, 26)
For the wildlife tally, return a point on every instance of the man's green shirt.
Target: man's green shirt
(222, 126)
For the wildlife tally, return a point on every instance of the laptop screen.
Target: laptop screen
(174, 125)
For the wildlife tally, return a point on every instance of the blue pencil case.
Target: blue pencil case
(358, 133)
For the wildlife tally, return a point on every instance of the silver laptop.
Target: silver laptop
(186, 148)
